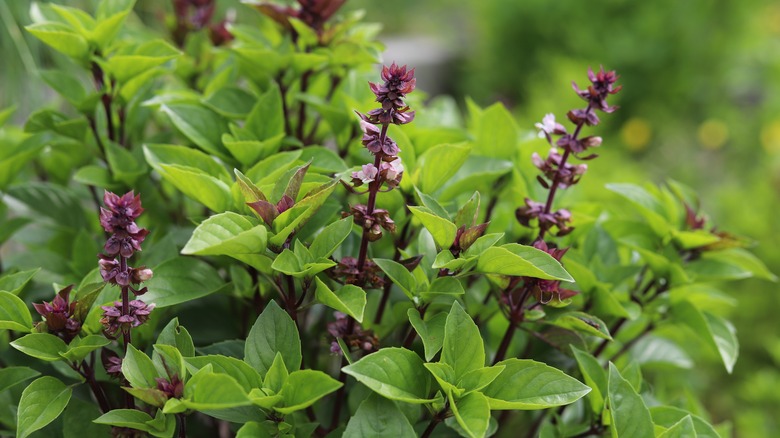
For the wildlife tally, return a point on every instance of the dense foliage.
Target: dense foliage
(292, 244)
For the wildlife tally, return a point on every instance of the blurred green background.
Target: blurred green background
(700, 104)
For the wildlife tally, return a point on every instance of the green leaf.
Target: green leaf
(442, 230)
(349, 299)
(41, 403)
(520, 260)
(77, 420)
(331, 237)
(52, 201)
(630, 416)
(443, 286)
(527, 385)
(206, 391)
(379, 417)
(496, 132)
(583, 323)
(276, 376)
(131, 418)
(668, 416)
(294, 218)
(730, 264)
(107, 28)
(11, 376)
(440, 164)
(134, 60)
(201, 125)
(225, 234)
(400, 276)
(266, 120)
(431, 332)
(61, 38)
(682, 429)
(230, 102)
(463, 348)
(244, 375)
(177, 336)
(594, 376)
(650, 207)
(139, 369)
(274, 331)
(472, 412)
(394, 373)
(41, 346)
(718, 333)
(168, 360)
(477, 379)
(79, 348)
(181, 279)
(445, 377)
(14, 314)
(192, 172)
(248, 152)
(303, 388)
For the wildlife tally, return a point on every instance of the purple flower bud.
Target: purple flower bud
(59, 316)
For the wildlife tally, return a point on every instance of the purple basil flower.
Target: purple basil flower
(602, 85)
(360, 338)
(371, 139)
(173, 387)
(367, 174)
(115, 321)
(59, 316)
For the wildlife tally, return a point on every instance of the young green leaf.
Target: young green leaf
(177, 336)
(304, 387)
(527, 385)
(445, 377)
(477, 379)
(472, 412)
(41, 403)
(139, 369)
(349, 299)
(442, 230)
(463, 348)
(668, 416)
(207, 390)
(246, 376)
(276, 375)
(682, 429)
(273, 331)
(400, 276)
(395, 373)
(431, 332)
(61, 38)
(331, 237)
(378, 417)
(14, 314)
(201, 125)
(225, 234)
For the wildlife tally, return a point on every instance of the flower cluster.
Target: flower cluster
(372, 222)
(193, 15)
(118, 218)
(59, 316)
(115, 319)
(172, 388)
(347, 269)
(315, 13)
(358, 337)
(398, 82)
(557, 172)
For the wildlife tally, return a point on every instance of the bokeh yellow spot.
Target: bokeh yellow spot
(770, 137)
(772, 18)
(636, 133)
(713, 134)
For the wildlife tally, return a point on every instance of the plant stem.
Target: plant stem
(88, 373)
(516, 315)
(373, 189)
(302, 106)
(557, 179)
(437, 418)
(285, 110)
(182, 425)
(340, 394)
